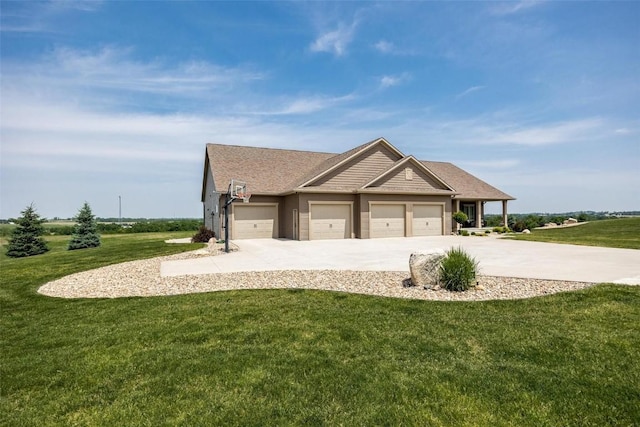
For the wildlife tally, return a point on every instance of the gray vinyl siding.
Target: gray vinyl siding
(359, 170)
(211, 217)
(397, 181)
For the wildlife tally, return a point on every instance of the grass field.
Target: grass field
(614, 233)
(308, 357)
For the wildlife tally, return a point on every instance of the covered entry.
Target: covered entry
(387, 220)
(330, 221)
(258, 221)
(427, 220)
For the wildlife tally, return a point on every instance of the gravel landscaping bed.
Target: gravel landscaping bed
(142, 278)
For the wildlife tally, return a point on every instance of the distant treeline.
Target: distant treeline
(519, 222)
(142, 226)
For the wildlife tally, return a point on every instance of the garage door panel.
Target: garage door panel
(387, 221)
(255, 222)
(330, 221)
(427, 220)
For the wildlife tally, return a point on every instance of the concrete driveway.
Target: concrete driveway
(497, 257)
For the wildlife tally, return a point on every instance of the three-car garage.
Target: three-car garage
(339, 220)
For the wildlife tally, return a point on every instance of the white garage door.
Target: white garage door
(427, 220)
(255, 222)
(387, 221)
(330, 221)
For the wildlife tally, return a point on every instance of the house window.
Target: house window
(408, 174)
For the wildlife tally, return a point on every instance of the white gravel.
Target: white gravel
(142, 279)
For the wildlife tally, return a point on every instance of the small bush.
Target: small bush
(464, 233)
(487, 231)
(457, 270)
(460, 217)
(203, 235)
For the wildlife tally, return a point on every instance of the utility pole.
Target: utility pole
(120, 210)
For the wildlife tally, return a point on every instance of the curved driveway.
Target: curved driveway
(497, 257)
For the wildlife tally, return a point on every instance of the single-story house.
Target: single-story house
(370, 191)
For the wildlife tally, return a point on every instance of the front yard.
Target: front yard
(308, 357)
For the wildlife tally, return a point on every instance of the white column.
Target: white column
(478, 214)
(504, 213)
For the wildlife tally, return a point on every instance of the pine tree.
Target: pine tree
(26, 239)
(85, 232)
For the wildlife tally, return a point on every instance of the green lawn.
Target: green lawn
(307, 357)
(612, 233)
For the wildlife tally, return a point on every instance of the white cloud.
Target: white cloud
(384, 46)
(468, 91)
(389, 81)
(112, 68)
(335, 41)
(509, 8)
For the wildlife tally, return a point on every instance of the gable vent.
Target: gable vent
(408, 174)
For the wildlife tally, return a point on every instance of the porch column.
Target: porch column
(455, 227)
(478, 214)
(504, 213)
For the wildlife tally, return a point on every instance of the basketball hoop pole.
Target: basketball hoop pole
(236, 190)
(228, 201)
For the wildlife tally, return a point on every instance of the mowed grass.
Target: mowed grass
(307, 357)
(613, 233)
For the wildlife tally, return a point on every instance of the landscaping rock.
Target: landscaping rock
(424, 267)
(526, 231)
(570, 221)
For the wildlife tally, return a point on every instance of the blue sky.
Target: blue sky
(108, 99)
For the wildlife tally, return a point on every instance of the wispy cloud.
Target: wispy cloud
(112, 68)
(300, 105)
(509, 8)
(395, 80)
(335, 41)
(469, 91)
(384, 46)
(517, 131)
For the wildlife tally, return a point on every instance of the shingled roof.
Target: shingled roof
(270, 171)
(266, 170)
(466, 185)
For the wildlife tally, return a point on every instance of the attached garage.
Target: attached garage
(387, 220)
(427, 220)
(255, 221)
(330, 221)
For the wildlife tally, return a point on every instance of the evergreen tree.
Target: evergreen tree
(85, 232)
(26, 239)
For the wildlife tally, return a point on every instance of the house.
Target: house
(370, 191)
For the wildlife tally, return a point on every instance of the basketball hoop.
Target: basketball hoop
(244, 196)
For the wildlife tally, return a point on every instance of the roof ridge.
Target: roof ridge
(271, 149)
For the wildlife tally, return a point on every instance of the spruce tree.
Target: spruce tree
(26, 239)
(85, 232)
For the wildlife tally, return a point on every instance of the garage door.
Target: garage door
(255, 222)
(387, 221)
(330, 221)
(427, 220)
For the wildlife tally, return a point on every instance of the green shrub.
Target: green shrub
(457, 270)
(460, 217)
(487, 231)
(464, 232)
(203, 235)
